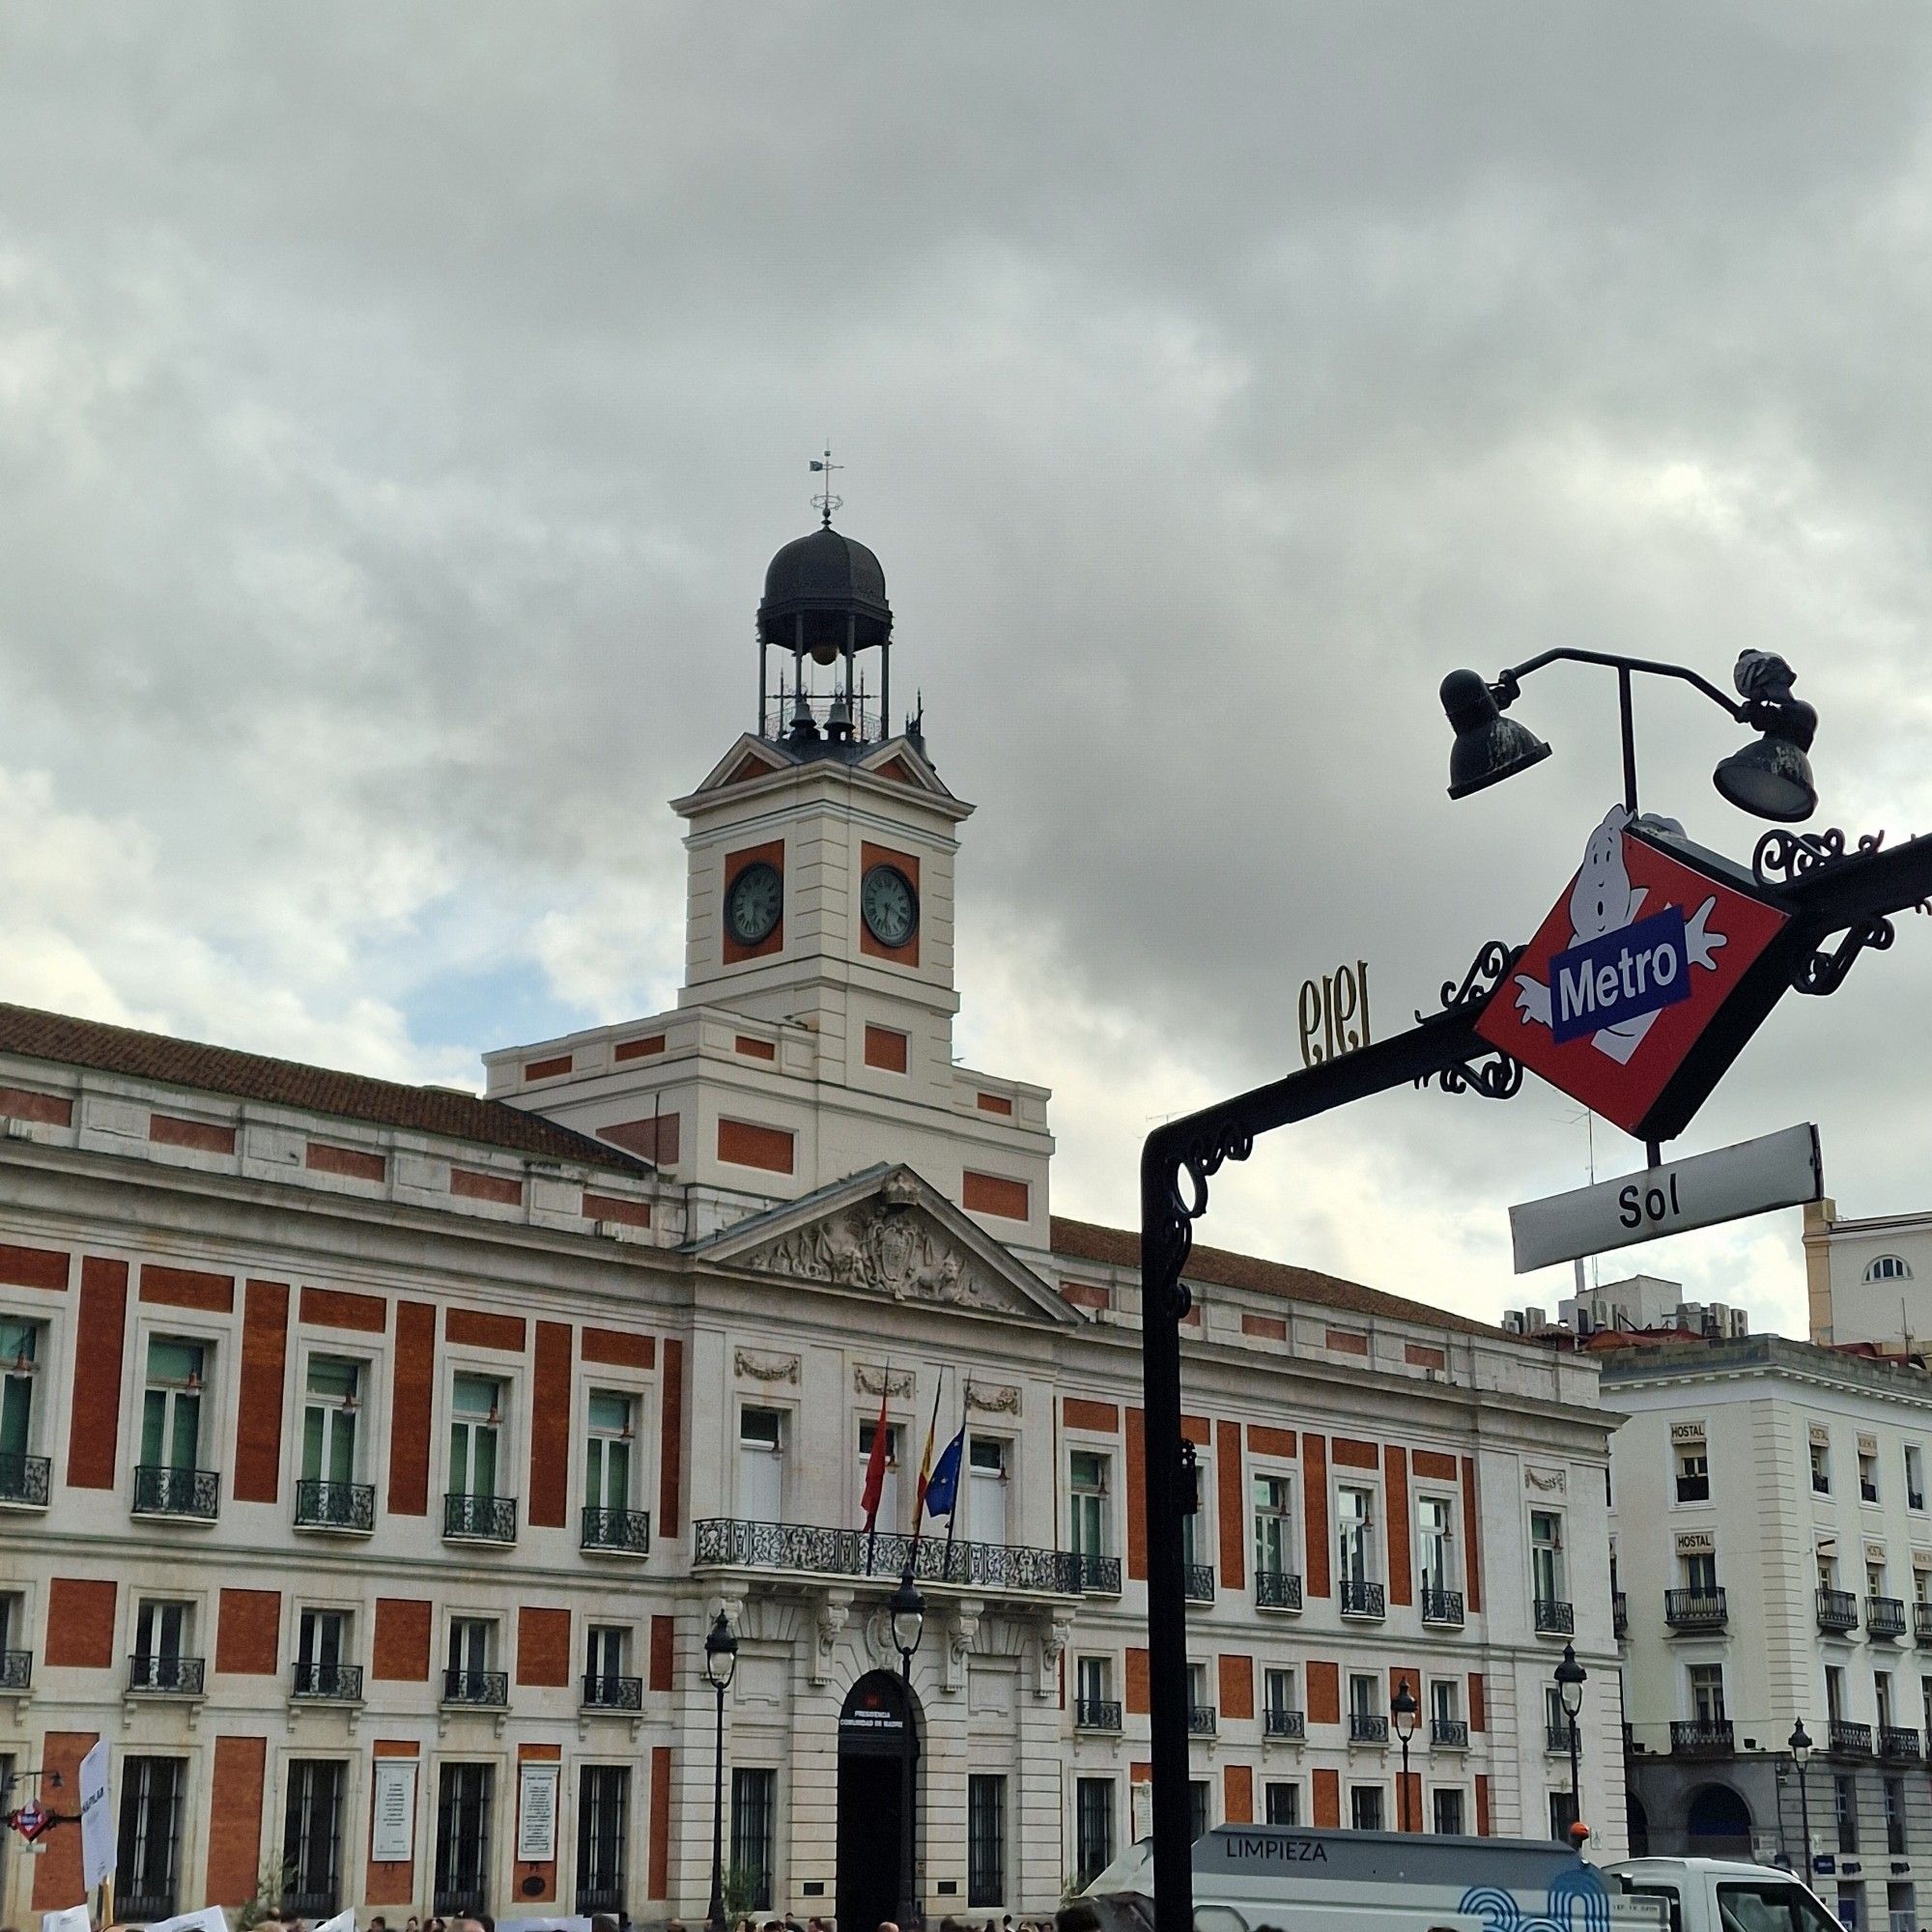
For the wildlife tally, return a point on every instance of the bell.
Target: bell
(1489, 746)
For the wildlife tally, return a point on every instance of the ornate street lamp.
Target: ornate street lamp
(1403, 1714)
(1570, 1676)
(908, 1615)
(1800, 1741)
(721, 1659)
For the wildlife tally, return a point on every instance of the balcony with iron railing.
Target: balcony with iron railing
(1277, 1590)
(1922, 1621)
(722, 1542)
(347, 1507)
(603, 1691)
(309, 1905)
(340, 1683)
(1848, 1740)
(1444, 1608)
(1359, 1598)
(1197, 1582)
(137, 1908)
(1895, 1742)
(490, 1688)
(1368, 1727)
(1554, 1617)
(1885, 1616)
(1838, 1611)
(1556, 1737)
(1620, 1613)
(1449, 1733)
(1698, 1737)
(1201, 1720)
(1696, 1609)
(1278, 1721)
(1097, 1714)
(469, 1518)
(192, 1495)
(167, 1676)
(23, 1481)
(614, 1532)
(16, 1669)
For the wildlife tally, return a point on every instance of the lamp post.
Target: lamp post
(1800, 1741)
(908, 1614)
(1403, 1714)
(1570, 1676)
(721, 1659)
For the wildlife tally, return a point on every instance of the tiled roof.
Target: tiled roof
(67, 1042)
(1118, 1247)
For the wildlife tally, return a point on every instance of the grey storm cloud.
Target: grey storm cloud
(398, 405)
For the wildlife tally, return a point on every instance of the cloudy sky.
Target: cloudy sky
(398, 406)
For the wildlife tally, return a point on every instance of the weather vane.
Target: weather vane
(826, 503)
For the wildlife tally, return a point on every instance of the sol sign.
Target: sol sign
(1626, 972)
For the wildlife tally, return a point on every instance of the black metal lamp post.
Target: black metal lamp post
(721, 1659)
(908, 1614)
(1800, 1741)
(1403, 1714)
(1570, 1676)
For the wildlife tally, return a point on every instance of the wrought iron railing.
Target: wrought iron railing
(1694, 1736)
(1368, 1727)
(460, 1901)
(479, 1518)
(1556, 1736)
(1848, 1740)
(1894, 1741)
(1696, 1609)
(1278, 1722)
(604, 1692)
(720, 1542)
(620, 1532)
(347, 1506)
(1450, 1733)
(476, 1687)
(1277, 1590)
(1922, 1621)
(1197, 1582)
(1362, 1599)
(1201, 1720)
(1885, 1616)
(1554, 1617)
(134, 1908)
(16, 1669)
(1838, 1611)
(1620, 1613)
(1097, 1714)
(23, 1480)
(160, 1489)
(602, 1898)
(181, 1676)
(341, 1681)
(1441, 1606)
(308, 1904)
(1867, 1492)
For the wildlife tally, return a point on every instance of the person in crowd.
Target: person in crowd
(602, 1922)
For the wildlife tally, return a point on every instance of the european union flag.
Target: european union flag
(941, 1490)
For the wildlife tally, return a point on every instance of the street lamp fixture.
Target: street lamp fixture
(1800, 1741)
(1770, 778)
(907, 1610)
(721, 1659)
(1403, 1714)
(1569, 1679)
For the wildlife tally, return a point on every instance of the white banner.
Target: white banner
(343, 1922)
(392, 1829)
(536, 1813)
(97, 1848)
(210, 1919)
(73, 1919)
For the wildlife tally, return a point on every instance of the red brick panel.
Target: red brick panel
(620, 1350)
(639, 1049)
(546, 1070)
(654, 1139)
(1408, 1801)
(1194, 1428)
(1472, 1547)
(1264, 1441)
(886, 1049)
(1237, 1686)
(755, 1049)
(188, 1288)
(33, 1267)
(543, 1645)
(49, 1109)
(94, 1429)
(1085, 1295)
(658, 1884)
(1269, 1328)
(771, 853)
(410, 1408)
(400, 1652)
(504, 1189)
(357, 1163)
(1102, 1417)
(1324, 1693)
(671, 1445)
(1478, 1702)
(550, 1427)
(1138, 1689)
(614, 1207)
(746, 1144)
(1348, 1451)
(995, 1194)
(1435, 1465)
(1347, 1341)
(1237, 1795)
(258, 1420)
(1420, 1356)
(1231, 1497)
(80, 1623)
(870, 855)
(392, 1883)
(1315, 1459)
(475, 1328)
(1136, 1497)
(1482, 1804)
(337, 1308)
(248, 1640)
(205, 1136)
(234, 1820)
(995, 1103)
(1395, 1473)
(1327, 1800)
(661, 1631)
(57, 1874)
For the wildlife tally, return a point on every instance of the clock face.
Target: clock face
(754, 904)
(889, 905)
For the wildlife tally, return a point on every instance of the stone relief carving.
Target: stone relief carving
(1003, 1401)
(1055, 1635)
(879, 1246)
(881, 1382)
(766, 1368)
(1549, 1481)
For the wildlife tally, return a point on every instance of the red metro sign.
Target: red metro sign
(1629, 971)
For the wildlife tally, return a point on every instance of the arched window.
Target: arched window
(1889, 1268)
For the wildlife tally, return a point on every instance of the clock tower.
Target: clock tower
(813, 1037)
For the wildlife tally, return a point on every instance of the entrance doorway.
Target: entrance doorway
(877, 1734)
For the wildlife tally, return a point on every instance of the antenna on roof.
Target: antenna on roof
(825, 502)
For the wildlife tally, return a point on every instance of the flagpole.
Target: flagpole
(924, 1470)
(958, 1476)
(872, 1515)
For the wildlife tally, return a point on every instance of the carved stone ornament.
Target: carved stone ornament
(1867, 1445)
(1874, 1553)
(882, 1382)
(766, 1368)
(1549, 1481)
(1687, 1432)
(993, 1401)
(878, 1246)
(1820, 1434)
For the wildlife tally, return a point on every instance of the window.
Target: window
(321, 1650)
(1365, 1808)
(19, 1364)
(1197, 1689)
(1707, 1692)
(1694, 1475)
(1546, 1557)
(761, 1465)
(1093, 1825)
(1895, 1815)
(1093, 1706)
(1887, 1268)
(1555, 1720)
(162, 1628)
(329, 1419)
(1562, 1815)
(1768, 1906)
(1281, 1802)
(754, 1831)
(602, 1813)
(1364, 1695)
(1278, 1691)
(1882, 1698)
(469, 1678)
(1925, 1702)
(1199, 1817)
(1835, 1693)
(988, 1461)
(1845, 1804)
(1868, 1475)
(889, 1493)
(463, 1850)
(1435, 1518)
(1275, 1530)
(605, 1665)
(1089, 1524)
(312, 1838)
(171, 1405)
(611, 1428)
(1698, 1570)
(1821, 1469)
(1445, 1813)
(147, 1866)
(475, 1421)
(1355, 1534)
(985, 1841)
(1915, 1476)
(1874, 1580)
